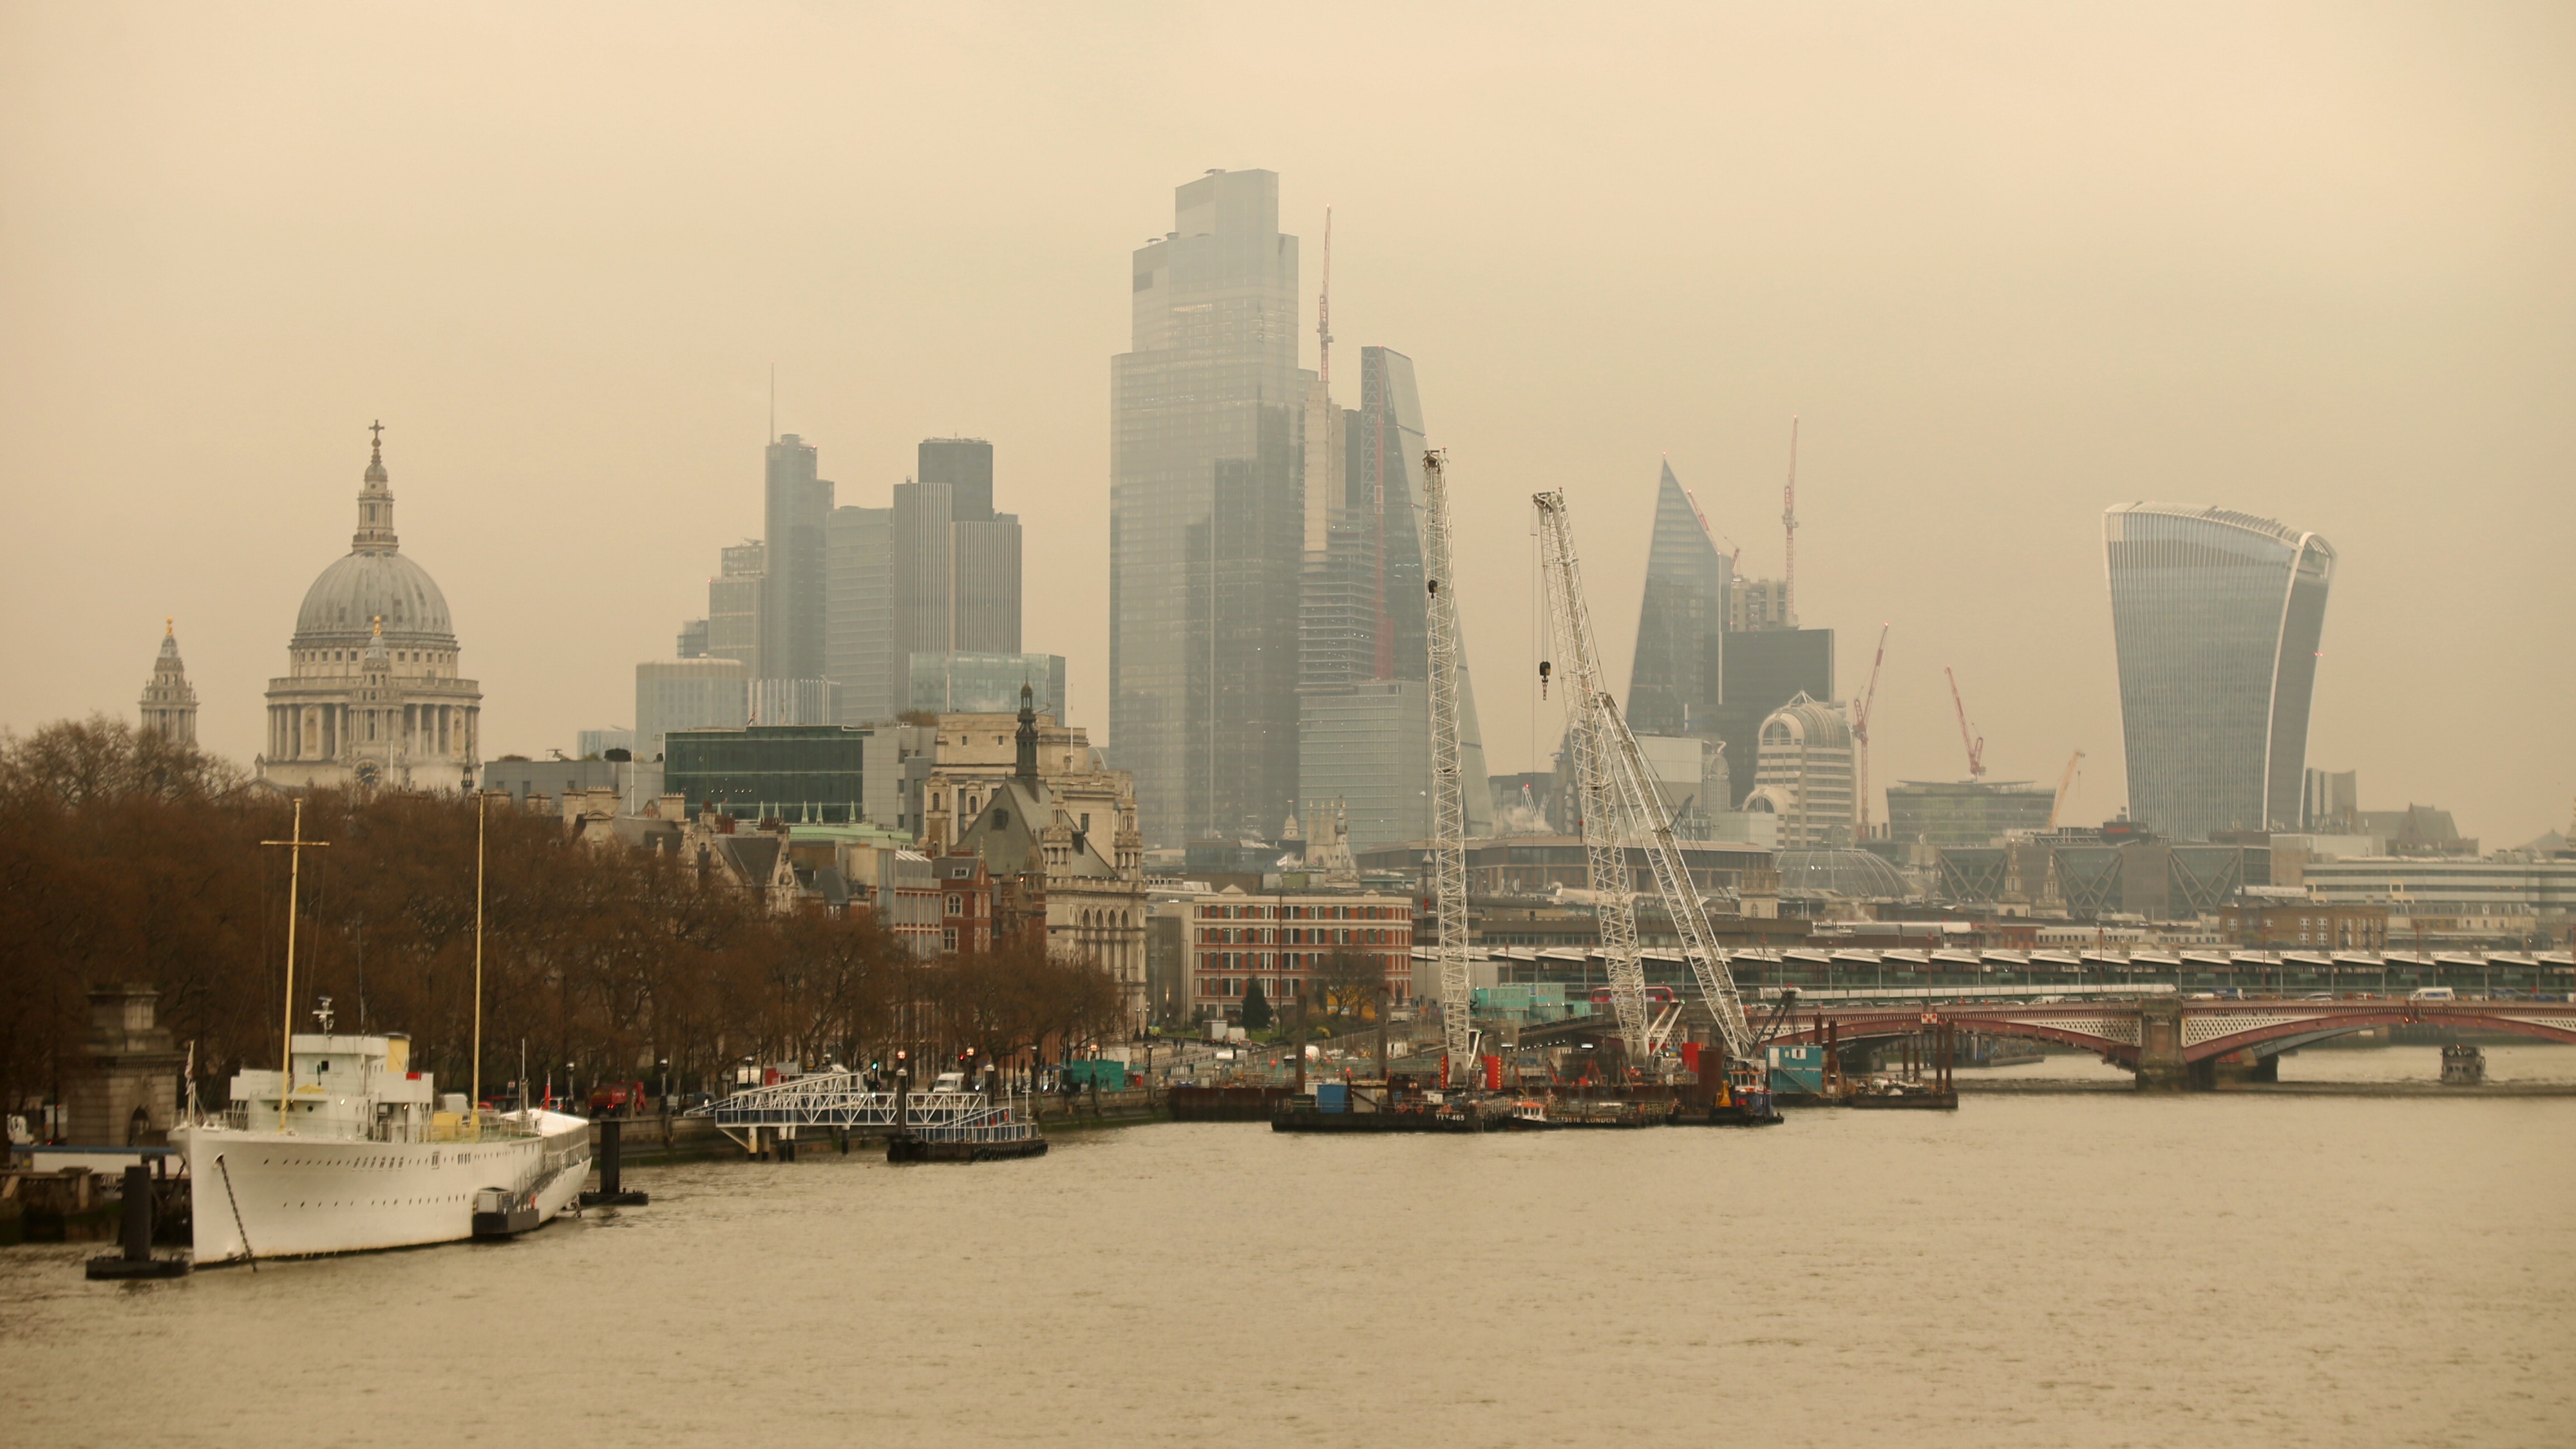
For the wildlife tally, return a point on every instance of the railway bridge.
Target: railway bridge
(2172, 1043)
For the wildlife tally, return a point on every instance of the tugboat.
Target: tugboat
(2463, 1065)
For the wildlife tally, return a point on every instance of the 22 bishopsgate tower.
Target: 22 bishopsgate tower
(2216, 616)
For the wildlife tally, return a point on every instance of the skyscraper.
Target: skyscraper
(1207, 423)
(1365, 666)
(936, 572)
(1673, 686)
(795, 505)
(2216, 617)
(736, 605)
(1760, 671)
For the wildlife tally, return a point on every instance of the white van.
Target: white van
(2432, 993)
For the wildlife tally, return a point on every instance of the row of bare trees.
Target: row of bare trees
(126, 857)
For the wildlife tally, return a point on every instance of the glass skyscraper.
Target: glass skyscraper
(1673, 685)
(1207, 424)
(2216, 617)
(795, 504)
(936, 572)
(1366, 630)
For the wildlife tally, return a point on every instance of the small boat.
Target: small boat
(2463, 1065)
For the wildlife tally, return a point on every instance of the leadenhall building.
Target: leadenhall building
(371, 695)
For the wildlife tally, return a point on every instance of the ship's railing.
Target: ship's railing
(442, 1127)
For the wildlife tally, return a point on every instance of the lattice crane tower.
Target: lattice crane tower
(1448, 800)
(1620, 804)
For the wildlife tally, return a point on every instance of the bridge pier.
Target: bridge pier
(2161, 1067)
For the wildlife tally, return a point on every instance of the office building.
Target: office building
(1207, 416)
(1945, 813)
(2216, 617)
(1804, 774)
(1759, 672)
(794, 701)
(1673, 685)
(687, 694)
(2330, 802)
(858, 612)
(934, 572)
(795, 505)
(801, 774)
(963, 683)
(1278, 942)
(735, 605)
(595, 744)
(1364, 730)
(692, 642)
(169, 704)
(371, 695)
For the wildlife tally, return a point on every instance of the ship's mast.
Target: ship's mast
(295, 849)
(481, 801)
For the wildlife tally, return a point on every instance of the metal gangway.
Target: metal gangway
(842, 1101)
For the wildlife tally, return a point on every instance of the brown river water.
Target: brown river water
(2031, 1270)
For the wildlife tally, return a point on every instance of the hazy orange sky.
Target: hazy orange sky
(2011, 264)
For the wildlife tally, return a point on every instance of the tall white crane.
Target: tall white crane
(1621, 804)
(1448, 800)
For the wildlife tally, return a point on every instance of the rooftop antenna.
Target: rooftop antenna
(1789, 526)
(1324, 308)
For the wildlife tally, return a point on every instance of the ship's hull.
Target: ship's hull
(279, 1195)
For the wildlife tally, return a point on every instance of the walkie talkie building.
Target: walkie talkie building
(2216, 616)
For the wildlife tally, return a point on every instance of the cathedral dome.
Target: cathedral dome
(363, 587)
(374, 582)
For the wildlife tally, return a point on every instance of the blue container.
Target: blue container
(1797, 1069)
(1332, 1096)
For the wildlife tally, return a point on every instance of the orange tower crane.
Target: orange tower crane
(1975, 742)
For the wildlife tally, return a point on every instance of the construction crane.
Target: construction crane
(1860, 727)
(1975, 742)
(2066, 781)
(1789, 530)
(1448, 800)
(1621, 804)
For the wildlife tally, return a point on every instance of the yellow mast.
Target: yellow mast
(294, 887)
(475, 1102)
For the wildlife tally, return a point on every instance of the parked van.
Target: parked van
(2432, 993)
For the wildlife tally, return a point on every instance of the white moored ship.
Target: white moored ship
(366, 1156)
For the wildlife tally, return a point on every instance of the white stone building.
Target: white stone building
(1803, 774)
(371, 696)
(169, 703)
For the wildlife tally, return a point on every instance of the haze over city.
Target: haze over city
(2008, 265)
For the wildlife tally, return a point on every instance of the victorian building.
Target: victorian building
(371, 695)
(169, 704)
(1060, 845)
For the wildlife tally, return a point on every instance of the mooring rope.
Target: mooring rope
(226, 1169)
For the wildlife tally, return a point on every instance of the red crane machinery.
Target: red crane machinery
(1860, 727)
(1975, 742)
(2057, 807)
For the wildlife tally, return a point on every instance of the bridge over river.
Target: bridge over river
(2171, 1041)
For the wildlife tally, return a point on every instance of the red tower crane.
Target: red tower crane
(1975, 742)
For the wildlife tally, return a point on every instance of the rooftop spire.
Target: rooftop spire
(1027, 765)
(375, 503)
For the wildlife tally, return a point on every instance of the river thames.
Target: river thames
(2096, 1269)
